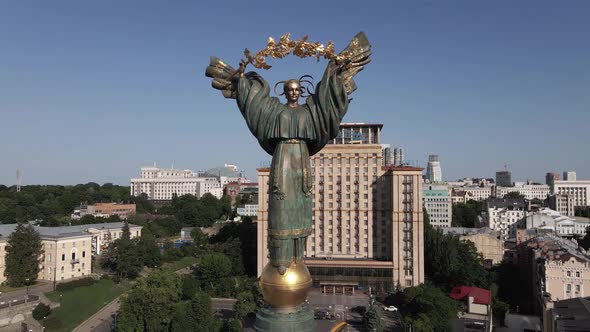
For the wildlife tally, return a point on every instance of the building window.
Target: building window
(62, 270)
(569, 273)
(83, 254)
(577, 274)
(63, 257)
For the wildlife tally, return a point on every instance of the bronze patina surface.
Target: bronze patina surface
(291, 133)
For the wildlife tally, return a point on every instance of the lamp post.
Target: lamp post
(27, 281)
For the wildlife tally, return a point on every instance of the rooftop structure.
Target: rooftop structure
(571, 315)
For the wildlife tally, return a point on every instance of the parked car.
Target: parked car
(390, 308)
(320, 314)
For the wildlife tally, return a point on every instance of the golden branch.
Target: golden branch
(300, 47)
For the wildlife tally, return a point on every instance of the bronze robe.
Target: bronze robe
(291, 136)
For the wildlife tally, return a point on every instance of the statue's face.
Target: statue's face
(292, 91)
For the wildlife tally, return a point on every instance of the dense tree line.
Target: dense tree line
(219, 272)
(49, 202)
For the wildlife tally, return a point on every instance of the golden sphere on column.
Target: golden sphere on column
(287, 290)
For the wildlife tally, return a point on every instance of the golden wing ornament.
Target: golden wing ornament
(222, 75)
(357, 55)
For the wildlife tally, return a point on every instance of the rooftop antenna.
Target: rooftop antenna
(19, 179)
(172, 164)
(506, 167)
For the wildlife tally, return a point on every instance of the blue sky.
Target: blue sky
(91, 91)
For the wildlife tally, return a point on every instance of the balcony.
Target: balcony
(75, 261)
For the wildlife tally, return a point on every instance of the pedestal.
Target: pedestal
(274, 320)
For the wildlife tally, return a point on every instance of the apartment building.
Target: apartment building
(68, 249)
(501, 214)
(559, 268)
(438, 204)
(367, 219)
(564, 204)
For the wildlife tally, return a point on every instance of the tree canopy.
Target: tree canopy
(426, 308)
(465, 215)
(23, 254)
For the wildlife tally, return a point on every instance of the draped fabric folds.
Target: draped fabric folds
(291, 135)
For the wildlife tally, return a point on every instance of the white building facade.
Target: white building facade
(501, 214)
(438, 204)
(529, 191)
(577, 189)
(163, 183)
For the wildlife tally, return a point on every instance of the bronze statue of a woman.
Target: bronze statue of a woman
(291, 133)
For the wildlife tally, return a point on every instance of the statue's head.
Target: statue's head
(293, 89)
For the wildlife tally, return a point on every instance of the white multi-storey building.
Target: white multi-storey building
(163, 183)
(438, 204)
(478, 193)
(554, 221)
(529, 191)
(249, 210)
(579, 190)
(501, 214)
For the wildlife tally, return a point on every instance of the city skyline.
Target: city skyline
(92, 92)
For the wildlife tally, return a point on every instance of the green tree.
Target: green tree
(244, 306)
(466, 215)
(41, 311)
(213, 266)
(23, 252)
(373, 320)
(150, 304)
(126, 234)
(148, 249)
(190, 286)
(200, 240)
(514, 195)
(195, 315)
(449, 261)
(426, 308)
(585, 241)
(232, 325)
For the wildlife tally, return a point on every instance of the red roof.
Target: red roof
(480, 295)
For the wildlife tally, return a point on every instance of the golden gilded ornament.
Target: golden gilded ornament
(299, 47)
(286, 290)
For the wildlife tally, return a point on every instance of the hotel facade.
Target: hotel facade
(367, 218)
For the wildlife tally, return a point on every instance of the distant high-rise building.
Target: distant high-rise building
(433, 170)
(504, 178)
(367, 219)
(386, 154)
(398, 156)
(550, 179)
(569, 176)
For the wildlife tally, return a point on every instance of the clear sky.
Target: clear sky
(93, 90)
